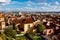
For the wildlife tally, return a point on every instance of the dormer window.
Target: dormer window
(28, 26)
(1, 19)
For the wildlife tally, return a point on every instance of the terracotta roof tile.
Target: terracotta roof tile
(1, 15)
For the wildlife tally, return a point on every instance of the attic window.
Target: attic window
(28, 26)
(24, 20)
(7, 24)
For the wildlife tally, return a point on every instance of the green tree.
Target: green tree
(10, 32)
(21, 38)
(36, 37)
(2, 36)
(40, 27)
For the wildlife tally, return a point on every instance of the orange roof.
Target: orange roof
(13, 16)
(26, 20)
(1, 15)
(23, 21)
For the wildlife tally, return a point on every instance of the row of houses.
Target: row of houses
(22, 22)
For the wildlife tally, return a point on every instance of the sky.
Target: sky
(30, 5)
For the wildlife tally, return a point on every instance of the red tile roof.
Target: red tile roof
(1, 15)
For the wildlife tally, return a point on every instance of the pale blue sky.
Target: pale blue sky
(30, 5)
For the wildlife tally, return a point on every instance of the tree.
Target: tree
(36, 37)
(21, 38)
(40, 27)
(10, 32)
(2, 36)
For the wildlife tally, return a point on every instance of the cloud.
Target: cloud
(39, 0)
(31, 6)
(57, 3)
(4, 2)
(14, 2)
(30, 3)
(43, 4)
